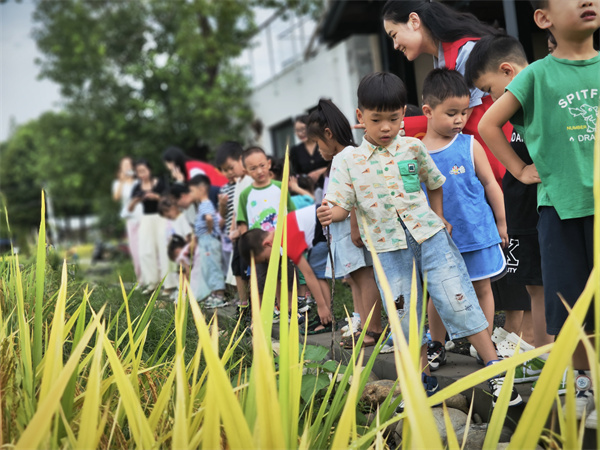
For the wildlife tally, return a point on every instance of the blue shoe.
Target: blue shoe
(431, 387)
(388, 345)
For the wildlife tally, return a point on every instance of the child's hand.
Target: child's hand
(234, 235)
(324, 214)
(293, 184)
(502, 231)
(324, 314)
(355, 236)
(448, 226)
(223, 200)
(529, 175)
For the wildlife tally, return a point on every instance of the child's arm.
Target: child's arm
(296, 189)
(492, 189)
(312, 283)
(354, 230)
(327, 215)
(436, 202)
(210, 223)
(490, 128)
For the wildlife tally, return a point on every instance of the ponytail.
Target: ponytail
(327, 115)
(443, 23)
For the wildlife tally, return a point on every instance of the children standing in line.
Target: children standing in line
(473, 201)
(493, 64)
(229, 160)
(553, 104)
(212, 285)
(382, 180)
(328, 126)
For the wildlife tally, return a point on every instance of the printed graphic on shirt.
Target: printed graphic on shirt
(585, 114)
(267, 220)
(457, 170)
(516, 137)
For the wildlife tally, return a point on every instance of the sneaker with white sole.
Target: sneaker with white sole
(353, 325)
(495, 385)
(507, 347)
(584, 394)
(529, 370)
(431, 387)
(303, 305)
(592, 420)
(215, 301)
(276, 315)
(388, 346)
(562, 388)
(475, 355)
(436, 355)
(499, 335)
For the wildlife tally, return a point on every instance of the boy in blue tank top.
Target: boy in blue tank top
(478, 227)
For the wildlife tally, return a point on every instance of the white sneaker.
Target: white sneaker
(592, 420)
(352, 326)
(450, 345)
(388, 347)
(584, 398)
(214, 301)
(499, 335)
(507, 347)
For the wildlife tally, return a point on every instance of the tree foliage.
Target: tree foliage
(136, 76)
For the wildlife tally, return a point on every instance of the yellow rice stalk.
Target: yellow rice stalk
(346, 428)
(499, 415)
(267, 429)
(234, 423)
(534, 417)
(138, 423)
(424, 430)
(450, 433)
(180, 422)
(89, 435)
(36, 433)
(54, 354)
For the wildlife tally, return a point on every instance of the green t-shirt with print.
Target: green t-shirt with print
(258, 207)
(559, 100)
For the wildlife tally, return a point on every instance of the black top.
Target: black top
(520, 200)
(150, 206)
(302, 163)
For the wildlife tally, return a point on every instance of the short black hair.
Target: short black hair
(166, 203)
(228, 149)
(199, 180)
(251, 151)
(441, 84)
(251, 243)
(381, 91)
(143, 162)
(176, 242)
(539, 4)
(491, 51)
(178, 189)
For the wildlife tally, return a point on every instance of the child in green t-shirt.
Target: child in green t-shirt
(553, 104)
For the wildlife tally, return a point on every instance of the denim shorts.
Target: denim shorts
(347, 257)
(448, 284)
(317, 258)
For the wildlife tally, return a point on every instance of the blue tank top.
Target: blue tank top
(465, 205)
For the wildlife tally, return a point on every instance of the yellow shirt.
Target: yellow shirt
(384, 184)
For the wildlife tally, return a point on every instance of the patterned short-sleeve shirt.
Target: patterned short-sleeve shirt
(384, 184)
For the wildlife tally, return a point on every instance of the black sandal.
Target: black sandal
(313, 325)
(349, 341)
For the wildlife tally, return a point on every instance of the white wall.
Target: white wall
(333, 73)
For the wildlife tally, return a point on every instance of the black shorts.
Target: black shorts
(523, 260)
(261, 275)
(510, 297)
(567, 250)
(239, 267)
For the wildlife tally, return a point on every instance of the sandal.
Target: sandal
(312, 326)
(350, 341)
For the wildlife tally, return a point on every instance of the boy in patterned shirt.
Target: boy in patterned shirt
(382, 179)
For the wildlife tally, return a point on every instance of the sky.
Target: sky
(22, 96)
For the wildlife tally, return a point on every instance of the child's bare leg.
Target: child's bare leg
(424, 361)
(242, 289)
(356, 296)
(436, 326)
(513, 322)
(527, 328)
(538, 316)
(369, 299)
(483, 289)
(302, 290)
(484, 345)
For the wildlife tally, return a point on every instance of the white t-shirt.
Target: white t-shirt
(126, 190)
